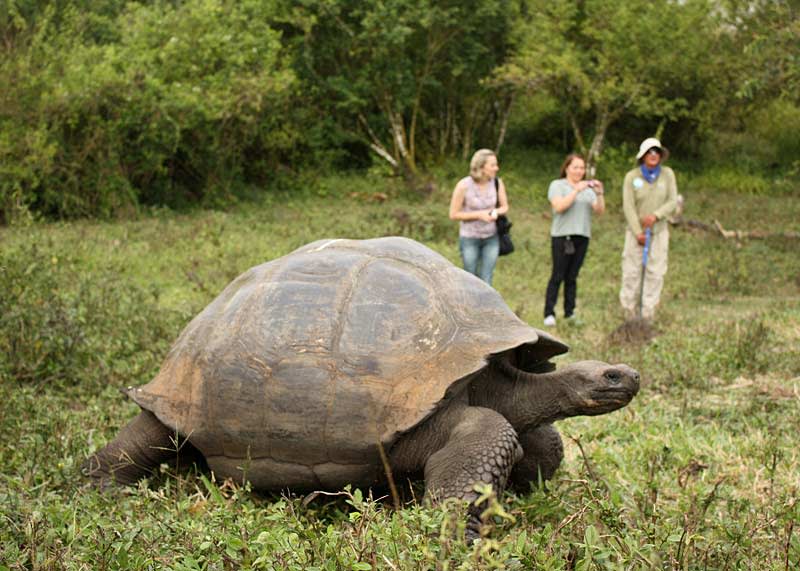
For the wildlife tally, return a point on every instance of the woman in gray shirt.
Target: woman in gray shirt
(573, 200)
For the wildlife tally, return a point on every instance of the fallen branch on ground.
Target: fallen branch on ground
(716, 228)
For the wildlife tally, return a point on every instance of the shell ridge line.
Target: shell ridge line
(260, 279)
(440, 307)
(264, 289)
(323, 246)
(336, 338)
(276, 280)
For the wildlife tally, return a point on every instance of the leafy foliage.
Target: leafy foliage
(55, 317)
(407, 78)
(108, 106)
(605, 59)
(188, 102)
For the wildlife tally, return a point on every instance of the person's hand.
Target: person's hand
(649, 220)
(583, 185)
(486, 215)
(641, 238)
(597, 187)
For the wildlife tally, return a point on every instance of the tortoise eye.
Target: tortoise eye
(613, 376)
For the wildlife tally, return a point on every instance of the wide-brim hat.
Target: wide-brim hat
(648, 144)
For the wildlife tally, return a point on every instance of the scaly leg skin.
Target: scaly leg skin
(139, 447)
(482, 448)
(544, 452)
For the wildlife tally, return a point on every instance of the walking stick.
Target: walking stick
(645, 252)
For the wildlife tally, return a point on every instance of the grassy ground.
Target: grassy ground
(701, 471)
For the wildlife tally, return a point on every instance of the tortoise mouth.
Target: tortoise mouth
(613, 396)
(617, 390)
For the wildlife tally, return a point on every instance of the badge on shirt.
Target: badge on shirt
(638, 183)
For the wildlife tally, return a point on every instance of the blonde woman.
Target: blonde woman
(476, 203)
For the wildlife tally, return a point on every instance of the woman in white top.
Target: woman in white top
(573, 200)
(476, 203)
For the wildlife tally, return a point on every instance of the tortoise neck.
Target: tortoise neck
(525, 399)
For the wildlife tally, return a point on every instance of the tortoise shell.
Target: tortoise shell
(303, 366)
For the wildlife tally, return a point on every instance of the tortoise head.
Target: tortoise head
(594, 387)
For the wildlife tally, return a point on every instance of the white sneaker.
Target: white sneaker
(550, 321)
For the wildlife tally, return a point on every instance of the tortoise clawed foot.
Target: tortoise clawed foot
(471, 535)
(475, 525)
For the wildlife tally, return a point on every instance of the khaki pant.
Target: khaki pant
(632, 274)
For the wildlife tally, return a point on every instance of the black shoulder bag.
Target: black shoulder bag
(503, 226)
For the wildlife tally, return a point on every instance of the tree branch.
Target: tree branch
(375, 143)
(738, 235)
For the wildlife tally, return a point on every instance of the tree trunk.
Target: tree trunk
(469, 128)
(595, 150)
(504, 122)
(404, 156)
(400, 157)
(601, 125)
(445, 130)
(375, 143)
(576, 131)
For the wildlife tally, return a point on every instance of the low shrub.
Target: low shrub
(726, 179)
(66, 327)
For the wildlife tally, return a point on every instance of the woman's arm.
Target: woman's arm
(599, 205)
(457, 204)
(563, 203)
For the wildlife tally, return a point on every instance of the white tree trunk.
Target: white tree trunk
(376, 145)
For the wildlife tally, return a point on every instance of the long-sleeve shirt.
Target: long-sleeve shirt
(640, 198)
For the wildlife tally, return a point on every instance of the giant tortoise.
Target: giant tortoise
(308, 369)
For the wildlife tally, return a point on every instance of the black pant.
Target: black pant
(565, 269)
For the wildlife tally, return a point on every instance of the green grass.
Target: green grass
(699, 472)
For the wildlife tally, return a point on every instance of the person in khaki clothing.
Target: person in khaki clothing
(649, 197)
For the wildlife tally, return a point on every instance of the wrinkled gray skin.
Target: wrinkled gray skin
(501, 427)
(496, 427)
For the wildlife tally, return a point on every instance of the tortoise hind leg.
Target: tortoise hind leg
(139, 447)
(544, 452)
(481, 448)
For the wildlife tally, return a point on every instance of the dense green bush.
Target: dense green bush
(409, 79)
(191, 101)
(761, 156)
(109, 105)
(63, 326)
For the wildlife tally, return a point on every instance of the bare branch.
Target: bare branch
(375, 143)
(717, 228)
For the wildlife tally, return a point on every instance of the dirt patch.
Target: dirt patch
(632, 332)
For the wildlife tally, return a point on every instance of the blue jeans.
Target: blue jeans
(480, 256)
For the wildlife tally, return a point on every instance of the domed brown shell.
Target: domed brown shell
(304, 365)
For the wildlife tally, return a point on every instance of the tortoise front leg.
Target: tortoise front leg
(544, 452)
(139, 447)
(481, 448)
